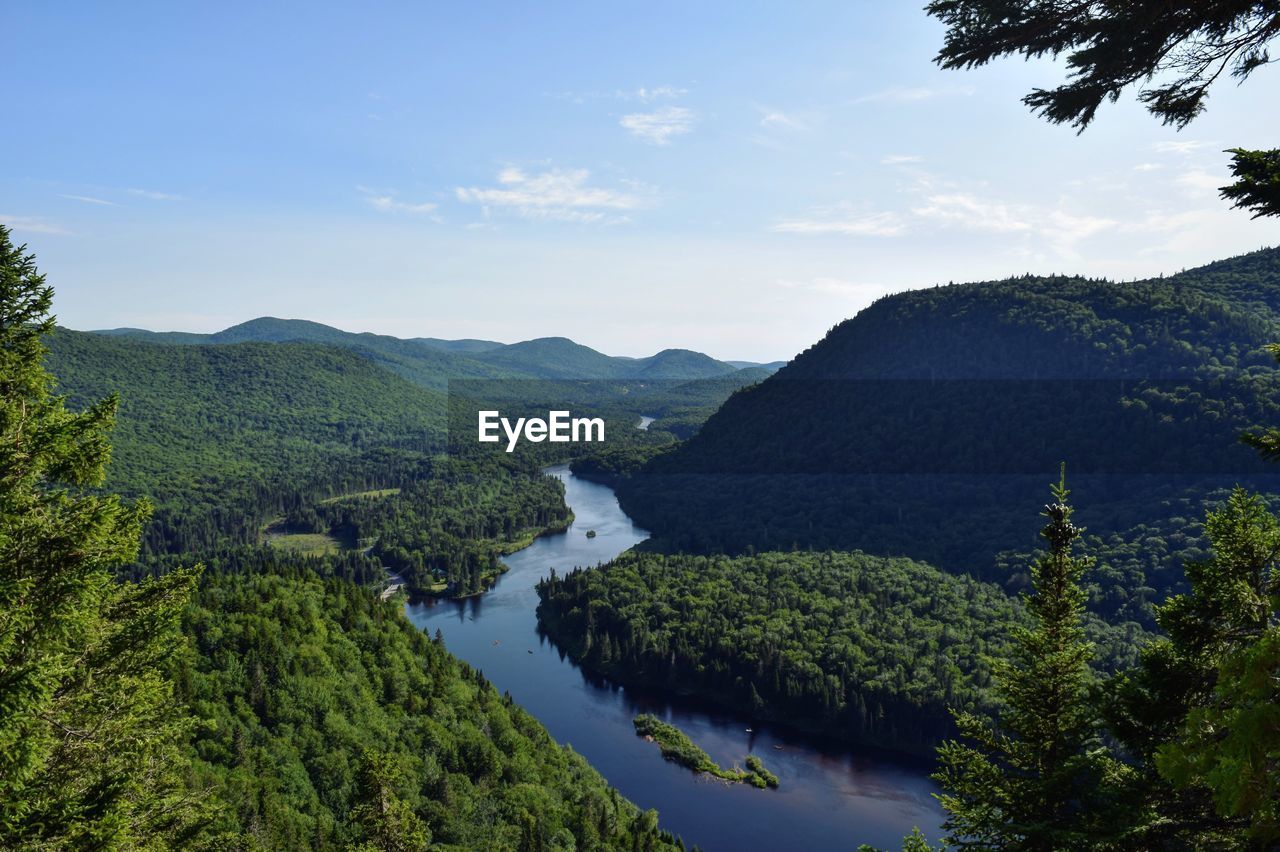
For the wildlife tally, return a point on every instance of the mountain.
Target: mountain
(463, 345)
(928, 424)
(203, 429)
(432, 362)
(683, 364)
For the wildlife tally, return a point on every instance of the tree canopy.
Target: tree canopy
(1172, 52)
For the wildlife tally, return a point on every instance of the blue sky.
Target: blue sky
(729, 177)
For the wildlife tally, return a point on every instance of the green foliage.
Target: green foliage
(1189, 708)
(1257, 185)
(1173, 53)
(855, 646)
(1039, 779)
(331, 720)
(89, 734)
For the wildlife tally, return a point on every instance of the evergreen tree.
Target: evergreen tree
(387, 822)
(90, 741)
(1202, 710)
(1037, 779)
(1173, 51)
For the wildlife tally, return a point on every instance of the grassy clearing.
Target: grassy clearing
(306, 544)
(362, 495)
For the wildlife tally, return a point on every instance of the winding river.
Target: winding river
(831, 796)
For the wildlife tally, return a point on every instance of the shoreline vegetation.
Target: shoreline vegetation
(678, 748)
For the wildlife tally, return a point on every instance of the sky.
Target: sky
(734, 178)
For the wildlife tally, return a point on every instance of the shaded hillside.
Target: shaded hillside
(912, 428)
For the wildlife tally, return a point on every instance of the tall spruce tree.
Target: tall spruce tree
(90, 741)
(1038, 778)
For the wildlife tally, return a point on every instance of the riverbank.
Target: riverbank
(831, 796)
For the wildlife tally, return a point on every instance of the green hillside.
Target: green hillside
(318, 699)
(912, 428)
(227, 430)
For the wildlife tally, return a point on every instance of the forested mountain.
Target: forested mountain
(217, 436)
(432, 362)
(462, 345)
(912, 428)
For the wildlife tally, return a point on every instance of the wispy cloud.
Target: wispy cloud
(1184, 146)
(152, 195)
(1061, 229)
(845, 222)
(31, 224)
(900, 94)
(558, 194)
(641, 94)
(660, 126)
(901, 159)
(89, 199)
(777, 119)
(1147, 167)
(388, 203)
(655, 94)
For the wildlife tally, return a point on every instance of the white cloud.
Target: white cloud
(1186, 146)
(844, 222)
(773, 118)
(901, 160)
(1059, 228)
(388, 203)
(656, 93)
(88, 199)
(899, 94)
(152, 195)
(1147, 167)
(658, 127)
(558, 194)
(31, 224)
(1199, 181)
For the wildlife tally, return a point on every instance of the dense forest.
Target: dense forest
(320, 704)
(944, 407)
(263, 699)
(857, 647)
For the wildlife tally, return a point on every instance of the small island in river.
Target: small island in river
(677, 747)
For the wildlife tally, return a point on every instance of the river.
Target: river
(831, 796)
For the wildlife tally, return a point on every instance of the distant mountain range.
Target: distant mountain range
(431, 362)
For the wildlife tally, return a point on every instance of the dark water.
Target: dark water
(831, 796)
